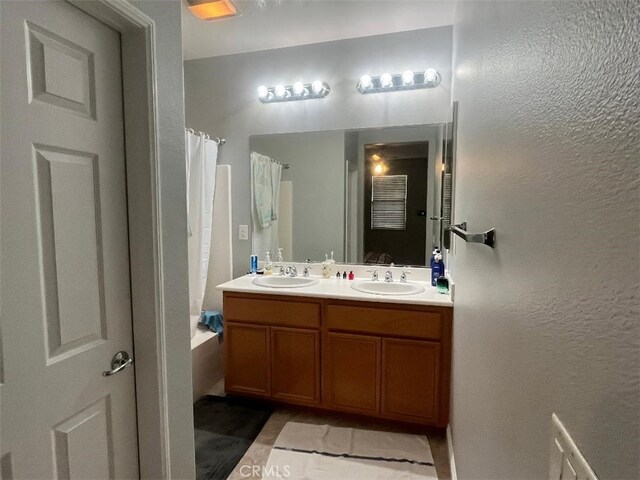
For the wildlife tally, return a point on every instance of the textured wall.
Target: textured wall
(220, 97)
(549, 155)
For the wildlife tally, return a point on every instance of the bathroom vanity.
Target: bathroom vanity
(329, 346)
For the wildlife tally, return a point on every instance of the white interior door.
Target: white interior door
(66, 307)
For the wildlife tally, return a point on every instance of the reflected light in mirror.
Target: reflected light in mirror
(378, 169)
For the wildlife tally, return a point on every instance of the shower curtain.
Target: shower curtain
(265, 198)
(201, 157)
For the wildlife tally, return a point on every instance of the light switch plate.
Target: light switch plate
(567, 462)
(243, 232)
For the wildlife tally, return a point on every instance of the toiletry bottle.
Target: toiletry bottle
(253, 264)
(268, 266)
(344, 275)
(326, 267)
(435, 252)
(338, 275)
(437, 268)
(351, 275)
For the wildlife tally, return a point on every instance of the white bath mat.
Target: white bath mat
(323, 452)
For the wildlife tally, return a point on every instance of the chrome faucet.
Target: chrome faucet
(305, 272)
(403, 276)
(280, 269)
(388, 276)
(374, 275)
(292, 271)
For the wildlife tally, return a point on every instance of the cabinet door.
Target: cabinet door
(295, 365)
(410, 380)
(352, 373)
(247, 359)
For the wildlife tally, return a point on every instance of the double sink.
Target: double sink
(365, 286)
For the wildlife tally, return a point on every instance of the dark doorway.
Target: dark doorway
(402, 246)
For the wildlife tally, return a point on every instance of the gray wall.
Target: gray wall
(316, 161)
(170, 114)
(221, 99)
(548, 154)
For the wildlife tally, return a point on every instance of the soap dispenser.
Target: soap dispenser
(326, 267)
(268, 266)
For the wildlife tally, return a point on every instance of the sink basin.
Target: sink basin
(272, 281)
(384, 288)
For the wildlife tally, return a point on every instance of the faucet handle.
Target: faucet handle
(403, 276)
(374, 276)
(388, 276)
(307, 269)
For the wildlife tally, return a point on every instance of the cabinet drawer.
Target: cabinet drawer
(272, 312)
(385, 321)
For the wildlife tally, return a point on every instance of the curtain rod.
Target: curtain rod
(218, 140)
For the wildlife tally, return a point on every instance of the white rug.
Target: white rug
(323, 452)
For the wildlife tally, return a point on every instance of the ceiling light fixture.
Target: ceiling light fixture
(212, 9)
(408, 80)
(297, 91)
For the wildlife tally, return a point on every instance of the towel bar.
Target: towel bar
(486, 238)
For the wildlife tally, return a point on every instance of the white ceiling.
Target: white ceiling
(285, 23)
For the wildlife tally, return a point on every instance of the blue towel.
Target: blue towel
(213, 320)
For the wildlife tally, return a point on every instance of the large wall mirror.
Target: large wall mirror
(375, 195)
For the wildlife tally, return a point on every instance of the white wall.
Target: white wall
(220, 95)
(548, 153)
(316, 161)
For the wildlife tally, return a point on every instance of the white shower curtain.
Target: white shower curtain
(201, 157)
(265, 198)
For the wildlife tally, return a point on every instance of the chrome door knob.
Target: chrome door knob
(120, 361)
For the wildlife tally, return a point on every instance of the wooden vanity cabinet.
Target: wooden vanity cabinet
(273, 348)
(382, 360)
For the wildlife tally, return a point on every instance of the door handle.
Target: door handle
(120, 361)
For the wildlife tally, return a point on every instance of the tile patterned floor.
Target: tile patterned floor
(258, 453)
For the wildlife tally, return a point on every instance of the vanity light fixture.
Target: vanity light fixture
(408, 80)
(297, 91)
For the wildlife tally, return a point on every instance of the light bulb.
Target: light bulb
(386, 80)
(317, 87)
(377, 169)
(365, 82)
(280, 90)
(430, 75)
(263, 91)
(407, 77)
(298, 89)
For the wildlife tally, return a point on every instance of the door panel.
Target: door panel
(410, 372)
(66, 303)
(247, 359)
(352, 373)
(295, 365)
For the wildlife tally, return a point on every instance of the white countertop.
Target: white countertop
(340, 289)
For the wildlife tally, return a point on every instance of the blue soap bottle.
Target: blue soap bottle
(437, 268)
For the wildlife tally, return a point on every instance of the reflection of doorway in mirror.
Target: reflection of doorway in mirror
(285, 220)
(401, 237)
